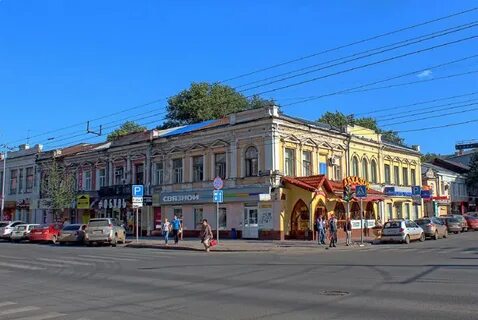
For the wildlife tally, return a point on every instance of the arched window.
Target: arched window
(365, 169)
(355, 166)
(251, 158)
(373, 171)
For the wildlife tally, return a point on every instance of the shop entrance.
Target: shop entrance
(250, 229)
(300, 221)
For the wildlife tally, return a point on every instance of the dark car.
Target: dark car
(433, 227)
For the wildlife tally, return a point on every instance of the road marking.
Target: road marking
(6, 303)
(98, 258)
(18, 310)
(66, 262)
(19, 266)
(45, 316)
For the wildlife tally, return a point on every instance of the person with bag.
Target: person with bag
(166, 228)
(176, 226)
(333, 231)
(348, 232)
(206, 235)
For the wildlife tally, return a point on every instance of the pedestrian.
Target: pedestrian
(333, 231)
(348, 232)
(321, 230)
(206, 235)
(181, 231)
(176, 226)
(166, 229)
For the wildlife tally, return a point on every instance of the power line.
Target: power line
(349, 90)
(437, 127)
(351, 44)
(365, 54)
(368, 65)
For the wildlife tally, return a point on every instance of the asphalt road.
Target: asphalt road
(430, 280)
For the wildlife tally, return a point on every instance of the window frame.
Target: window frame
(373, 171)
(307, 163)
(13, 181)
(405, 179)
(220, 167)
(365, 169)
(387, 169)
(198, 168)
(251, 162)
(30, 179)
(355, 167)
(178, 172)
(289, 162)
(198, 220)
(159, 173)
(396, 175)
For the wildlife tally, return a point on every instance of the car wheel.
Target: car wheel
(407, 239)
(54, 240)
(435, 236)
(456, 232)
(114, 241)
(465, 229)
(422, 237)
(445, 235)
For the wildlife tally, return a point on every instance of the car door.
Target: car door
(417, 230)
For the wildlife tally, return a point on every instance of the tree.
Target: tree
(472, 177)
(429, 157)
(338, 119)
(126, 128)
(204, 101)
(59, 187)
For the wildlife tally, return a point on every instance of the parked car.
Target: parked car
(472, 222)
(22, 232)
(46, 233)
(402, 231)
(105, 230)
(72, 233)
(6, 228)
(452, 224)
(473, 214)
(463, 222)
(433, 227)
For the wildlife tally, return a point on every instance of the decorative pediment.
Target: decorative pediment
(138, 156)
(175, 150)
(309, 142)
(388, 158)
(339, 147)
(219, 144)
(326, 145)
(291, 138)
(196, 147)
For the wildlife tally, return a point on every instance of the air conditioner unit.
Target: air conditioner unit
(332, 161)
(264, 173)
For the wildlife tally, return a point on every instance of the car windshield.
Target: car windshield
(98, 223)
(452, 220)
(21, 228)
(3, 224)
(72, 227)
(423, 221)
(393, 224)
(42, 226)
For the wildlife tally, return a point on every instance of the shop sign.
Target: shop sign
(180, 198)
(426, 194)
(398, 191)
(204, 196)
(265, 218)
(83, 201)
(441, 199)
(366, 223)
(355, 181)
(147, 201)
(23, 204)
(112, 204)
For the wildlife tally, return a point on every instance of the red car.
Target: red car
(46, 233)
(472, 222)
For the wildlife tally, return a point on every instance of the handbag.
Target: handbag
(213, 242)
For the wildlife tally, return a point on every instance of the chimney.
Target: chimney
(23, 147)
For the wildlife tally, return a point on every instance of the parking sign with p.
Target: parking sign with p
(138, 190)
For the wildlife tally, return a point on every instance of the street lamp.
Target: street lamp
(4, 157)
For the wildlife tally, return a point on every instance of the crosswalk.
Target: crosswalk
(10, 310)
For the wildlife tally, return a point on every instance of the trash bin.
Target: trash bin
(233, 233)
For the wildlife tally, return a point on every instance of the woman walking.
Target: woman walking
(166, 229)
(206, 235)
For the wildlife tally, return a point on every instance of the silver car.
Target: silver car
(22, 232)
(402, 231)
(6, 228)
(72, 233)
(105, 230)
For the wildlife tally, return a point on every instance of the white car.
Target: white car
(6, 228)
(402, 231)
(22, 232)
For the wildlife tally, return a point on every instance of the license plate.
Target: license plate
(97, 232)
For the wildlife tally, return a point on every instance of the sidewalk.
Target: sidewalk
(228, 245)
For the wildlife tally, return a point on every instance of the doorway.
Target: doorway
(250, 229)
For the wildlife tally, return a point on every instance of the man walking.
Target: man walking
(333, 231)
(348, 232)
(176, 224)
(206, 235)
(321, 230)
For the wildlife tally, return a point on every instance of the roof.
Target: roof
(311, 183)
(192, 127)
(451, 165)
(438, 168)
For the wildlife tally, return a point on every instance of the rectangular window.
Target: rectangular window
(405, 176)
(30, 180)
(390, 210)
(101, 178)
(1, 182)
(119, 175)
(198, 168)
(289, 162)
(388, 179)
(220, 165)
(222, 218)
(20, 180)
(87, 186)
(139, 173)
(306, 163)
(198, 212)
(416, 211)
(407, 211)
(396, 175)
(13, 181)
(177, 170)
(413, 177)
(323, 168)
(159, 179)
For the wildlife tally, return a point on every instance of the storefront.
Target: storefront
(401, 204)
(23, 211)
(246, 212)
(9, 210)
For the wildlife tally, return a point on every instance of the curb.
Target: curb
(179, 248)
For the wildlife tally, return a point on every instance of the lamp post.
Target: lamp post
(4, 157)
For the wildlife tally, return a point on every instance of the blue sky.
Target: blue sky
(65, 62)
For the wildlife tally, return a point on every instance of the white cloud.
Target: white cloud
(425, 74)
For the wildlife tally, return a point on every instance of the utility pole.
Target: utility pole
(4, 157)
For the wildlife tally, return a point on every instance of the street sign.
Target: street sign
(138, 190)
(218, 183)
(361, 191)
(416, 190)
(218, 196)
(137, 202)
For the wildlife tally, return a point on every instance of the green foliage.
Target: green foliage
(472, 177)
(59, 187)
(338, 119)
(429, 157)
(204, 101)
(126, 128)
